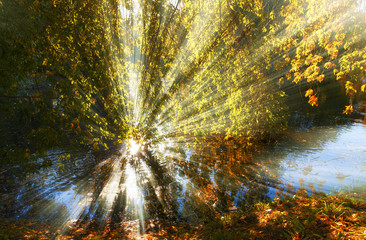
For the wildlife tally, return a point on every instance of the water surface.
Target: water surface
(173, 181)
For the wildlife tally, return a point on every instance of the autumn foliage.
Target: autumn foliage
(84, 74)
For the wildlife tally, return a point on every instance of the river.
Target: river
(175, 182)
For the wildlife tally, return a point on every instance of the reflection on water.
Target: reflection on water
(173, 181)
(325, 159)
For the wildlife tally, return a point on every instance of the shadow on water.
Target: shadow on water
(176, 181)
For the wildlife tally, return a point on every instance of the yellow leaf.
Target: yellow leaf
(349, 88)
(280, 81)
(309, 92)
(348, 110)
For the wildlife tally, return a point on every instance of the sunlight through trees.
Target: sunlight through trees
(138, 78)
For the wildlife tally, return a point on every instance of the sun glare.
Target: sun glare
(134, 146)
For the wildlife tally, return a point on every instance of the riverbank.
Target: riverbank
(293, 217)
(297, 217)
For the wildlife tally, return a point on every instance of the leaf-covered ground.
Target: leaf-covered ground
(296, 217)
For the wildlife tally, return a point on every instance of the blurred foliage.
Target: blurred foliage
(80, 74)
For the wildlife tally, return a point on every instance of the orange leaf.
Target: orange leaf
(313, 101)
(288, 75)
(348, 110)
(320, 78)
